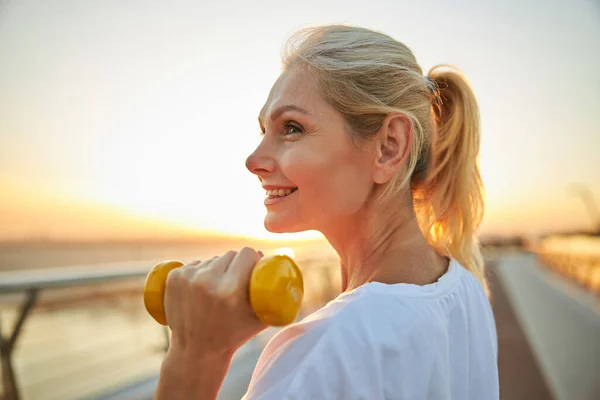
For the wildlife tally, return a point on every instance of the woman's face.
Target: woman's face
(305, 146)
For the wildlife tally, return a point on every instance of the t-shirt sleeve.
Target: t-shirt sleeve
(318, 364)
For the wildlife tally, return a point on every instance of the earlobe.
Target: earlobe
(395, 138)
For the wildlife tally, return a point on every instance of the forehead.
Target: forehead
(294, 87)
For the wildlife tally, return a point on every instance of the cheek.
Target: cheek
(336, 184)
(348, 190)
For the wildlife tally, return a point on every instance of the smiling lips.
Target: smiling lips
(277, 195)
(280, 192)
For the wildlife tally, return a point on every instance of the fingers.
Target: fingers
(189, 269)
(199, 263)
(221, 264)
(235, 267)
(242, 265)
(215, 265)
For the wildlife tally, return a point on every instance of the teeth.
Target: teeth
(280, 192)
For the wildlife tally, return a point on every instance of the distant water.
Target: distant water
(34, 255)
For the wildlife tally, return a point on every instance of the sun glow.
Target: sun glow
(285, 251)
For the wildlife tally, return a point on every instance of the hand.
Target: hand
(207, 306)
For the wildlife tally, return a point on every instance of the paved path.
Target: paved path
(520, 376)
(561, 323)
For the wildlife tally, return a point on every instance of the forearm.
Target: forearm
(197, 379)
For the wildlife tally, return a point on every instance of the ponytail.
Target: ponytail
(452, 192)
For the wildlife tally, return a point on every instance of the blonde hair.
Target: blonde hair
(366, 75)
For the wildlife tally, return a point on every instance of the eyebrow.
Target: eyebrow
(280, 110)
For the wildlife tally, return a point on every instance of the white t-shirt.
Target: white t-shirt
(381, 341)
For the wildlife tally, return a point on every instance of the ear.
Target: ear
(394, 141)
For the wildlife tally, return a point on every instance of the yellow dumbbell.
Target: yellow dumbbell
(276, 290)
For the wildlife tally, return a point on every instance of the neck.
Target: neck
(385, 244)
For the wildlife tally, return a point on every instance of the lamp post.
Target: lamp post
(585, 194)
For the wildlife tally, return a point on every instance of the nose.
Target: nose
(260, 162)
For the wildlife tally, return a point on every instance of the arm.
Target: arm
(182, 378)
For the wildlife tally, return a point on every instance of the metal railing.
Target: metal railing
(31, 283)
(575, 257)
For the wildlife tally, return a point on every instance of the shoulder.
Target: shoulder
(319, 357)
(340, 349)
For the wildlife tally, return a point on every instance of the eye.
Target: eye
(289, 129)
(292, 129)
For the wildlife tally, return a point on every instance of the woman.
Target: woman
(360, 146)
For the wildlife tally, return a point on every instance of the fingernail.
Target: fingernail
(260, 253)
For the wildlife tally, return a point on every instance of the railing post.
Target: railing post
(7, 345)
(8, 377)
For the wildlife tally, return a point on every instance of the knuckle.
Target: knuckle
(198, 286)
(219, 293)
(231, 253)
(173, 277)
(248, 252)
(226, 295)
(188, 273)
(200, 282)
(224, 289)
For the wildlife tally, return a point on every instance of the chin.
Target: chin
(279, 226)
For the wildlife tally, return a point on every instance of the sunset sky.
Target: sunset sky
(135, 119)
